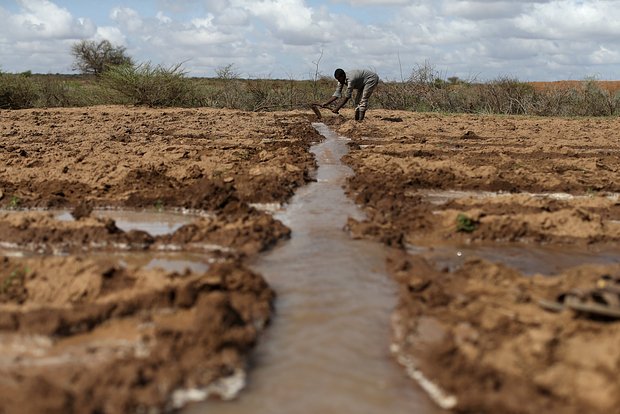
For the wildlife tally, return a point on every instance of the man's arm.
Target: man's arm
(337, 94)
(330, 100)
(343, 103)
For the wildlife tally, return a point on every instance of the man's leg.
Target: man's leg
(361, 107)
(358, 97)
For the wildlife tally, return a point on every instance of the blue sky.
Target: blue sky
(472, 39)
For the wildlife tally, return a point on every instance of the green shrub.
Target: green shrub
(150, 85)
(508, 96)
(465, 223)
(17, 91)
(54, 93)
(597, 101)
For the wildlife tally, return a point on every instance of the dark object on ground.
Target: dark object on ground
(317, 112)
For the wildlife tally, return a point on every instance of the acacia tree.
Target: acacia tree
(96, 58)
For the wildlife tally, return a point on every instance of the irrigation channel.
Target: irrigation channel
(328, 347)
(327, 350)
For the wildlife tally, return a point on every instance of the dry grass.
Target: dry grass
(424, 91)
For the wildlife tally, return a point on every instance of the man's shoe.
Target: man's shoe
(357, 114)
(360, 115)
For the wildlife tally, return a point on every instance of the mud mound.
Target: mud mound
(397, 164)
(241, 231)
(89, 338)
(111, 154)
(480, 333)
(515, 154)
(248, 234)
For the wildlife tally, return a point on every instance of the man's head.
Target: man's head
(340, 75)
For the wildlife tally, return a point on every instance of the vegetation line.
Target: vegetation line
(110, 77)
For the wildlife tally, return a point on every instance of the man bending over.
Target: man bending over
(363, 81)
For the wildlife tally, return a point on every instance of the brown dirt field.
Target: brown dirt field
(610, 86)
(479, 330)
(85, 334)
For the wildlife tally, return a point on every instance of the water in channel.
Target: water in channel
(327, 349)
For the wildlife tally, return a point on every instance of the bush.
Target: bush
(465, 224)
(17, 91)
(150, 85)
(508, 96)
(585, 99)
(598, 101)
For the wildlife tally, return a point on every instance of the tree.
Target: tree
(227, 72)
(96, 58)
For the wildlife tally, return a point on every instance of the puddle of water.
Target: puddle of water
(168, 261)
(527, 259)
(443, 196)
(328, 348)
(267, 207)
(153, 222)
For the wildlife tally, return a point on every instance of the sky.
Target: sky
(474, 40)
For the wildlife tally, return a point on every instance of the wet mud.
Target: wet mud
(87, 330)
(94, 315)
(475, 325)
(330, 335)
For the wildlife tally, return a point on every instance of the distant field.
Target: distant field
(611, 86)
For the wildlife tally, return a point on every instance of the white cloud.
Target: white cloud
(112, 34)
(605, 56)
(163, 18)
(375, 2)
(481, 10)
(572, 19)
(291, 21)
(233, 17)
(533, 39)
(127, 18)
(205, 22)
(42, 19)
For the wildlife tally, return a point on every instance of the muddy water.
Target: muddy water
(529, 260)
(155, 223)
(327, 350)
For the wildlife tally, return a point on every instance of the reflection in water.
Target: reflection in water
(529, 260)
(177, 265)
(327, 350)
(443, 196)
(153, 222)
(168, 261)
